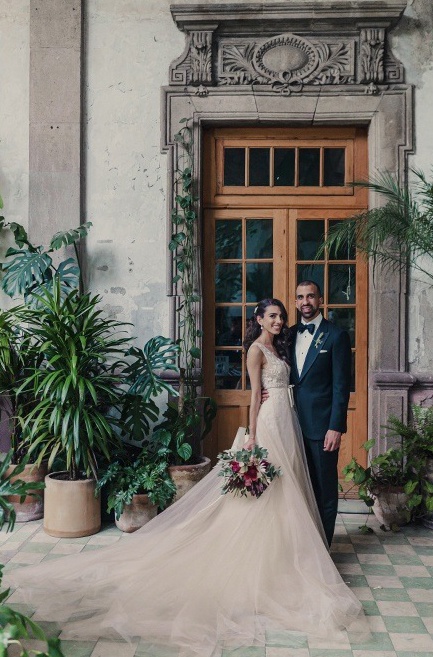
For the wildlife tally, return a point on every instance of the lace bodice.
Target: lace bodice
(276, 372)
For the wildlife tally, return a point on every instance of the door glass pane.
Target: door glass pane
(259, 281)
(309, 167)
(228, 369)
(228, 326)
(345, 318)
(228, 283)
(342, 287)
(259, 167)
(284, 167)
(310, 237)
(333, 164)
(353, 373)
(344, 252)
(311, 273)
(228, 239)
(234, 167)
(259, 238)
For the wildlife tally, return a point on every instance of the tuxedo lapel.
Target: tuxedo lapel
(294, 363)
(312, 353)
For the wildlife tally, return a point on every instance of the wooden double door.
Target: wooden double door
(270, 197)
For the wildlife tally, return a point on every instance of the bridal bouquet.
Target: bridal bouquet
(246, 472)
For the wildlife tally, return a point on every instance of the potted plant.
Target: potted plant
(77, 391)
(17, 358)
(188, 419)
(14, 626)
(395, 483)
(137, 485)
(417, 436)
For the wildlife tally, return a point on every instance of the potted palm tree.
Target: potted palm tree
(77, 389)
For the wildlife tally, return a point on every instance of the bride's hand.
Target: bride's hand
(249, 444)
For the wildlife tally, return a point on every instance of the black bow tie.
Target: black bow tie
(306, 327)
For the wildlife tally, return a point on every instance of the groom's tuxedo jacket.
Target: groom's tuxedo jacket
(322, 391)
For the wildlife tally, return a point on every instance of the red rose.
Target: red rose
(235, 466)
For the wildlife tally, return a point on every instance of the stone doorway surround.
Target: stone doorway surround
(306, 64)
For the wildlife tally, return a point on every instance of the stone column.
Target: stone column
(55, 117)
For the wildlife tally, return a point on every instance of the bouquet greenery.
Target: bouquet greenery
(246, 472)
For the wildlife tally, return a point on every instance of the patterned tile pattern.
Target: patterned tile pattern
(392, 574)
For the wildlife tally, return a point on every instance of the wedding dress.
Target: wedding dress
(212, 571)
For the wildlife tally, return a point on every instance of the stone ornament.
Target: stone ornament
(227, 53)
(286, 62)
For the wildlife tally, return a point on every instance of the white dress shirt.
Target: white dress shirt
(304, 340)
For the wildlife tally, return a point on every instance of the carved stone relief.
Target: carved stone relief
(286, 62)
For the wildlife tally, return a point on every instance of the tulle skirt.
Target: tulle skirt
(212, 571)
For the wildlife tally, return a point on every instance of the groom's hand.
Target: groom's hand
(265, 395)
(332, 440)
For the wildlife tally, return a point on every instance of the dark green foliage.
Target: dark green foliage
(394, 235)
(146, 473)
(76, 386)
(402, 466)
(17, 487)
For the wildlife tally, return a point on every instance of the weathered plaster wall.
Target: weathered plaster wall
(14, 113)
(413, 44)
(129, 48)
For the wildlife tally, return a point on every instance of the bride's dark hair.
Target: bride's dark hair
(282, 341)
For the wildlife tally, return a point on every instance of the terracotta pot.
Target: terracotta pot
(32, 508)
(71, 508)
(185, 476)
(427, 521)
(390, 506)
(136, 514)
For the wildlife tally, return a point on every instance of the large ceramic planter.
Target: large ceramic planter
(136, 514)
(32, 508)
(390, 507)
(186, 476)
(71, 508)
(428, 519)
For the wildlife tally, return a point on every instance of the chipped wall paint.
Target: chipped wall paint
(129, 47)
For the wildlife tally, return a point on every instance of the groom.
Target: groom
(320, 372)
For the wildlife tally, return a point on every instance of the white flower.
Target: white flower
(319, 340)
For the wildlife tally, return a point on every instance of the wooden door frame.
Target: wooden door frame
(376, 98)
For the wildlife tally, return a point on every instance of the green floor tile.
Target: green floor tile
(378, 569)
(78, 648)
(342, 538)
(425, 550)
(144, 649)
(355, 580)
(37, 547)
(379, 641)
(370, 608)
(344, 557)
(286, 640)
(425, 609)
(369, 548)
(417, 582)
(323, 652)
(404, 624)
(399, 595)
(245, 652)
(413, 654)
(405, 560)
(50, 629)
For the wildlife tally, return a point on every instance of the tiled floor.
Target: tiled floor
(392, 573)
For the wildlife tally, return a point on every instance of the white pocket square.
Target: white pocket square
(323, 351)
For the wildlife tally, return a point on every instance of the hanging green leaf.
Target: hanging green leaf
(65, 238)
(24, 271)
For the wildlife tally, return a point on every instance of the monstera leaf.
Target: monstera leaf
(25, 270)
(67, 237)
(158, 354)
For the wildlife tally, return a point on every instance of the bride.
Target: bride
(215, 571)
